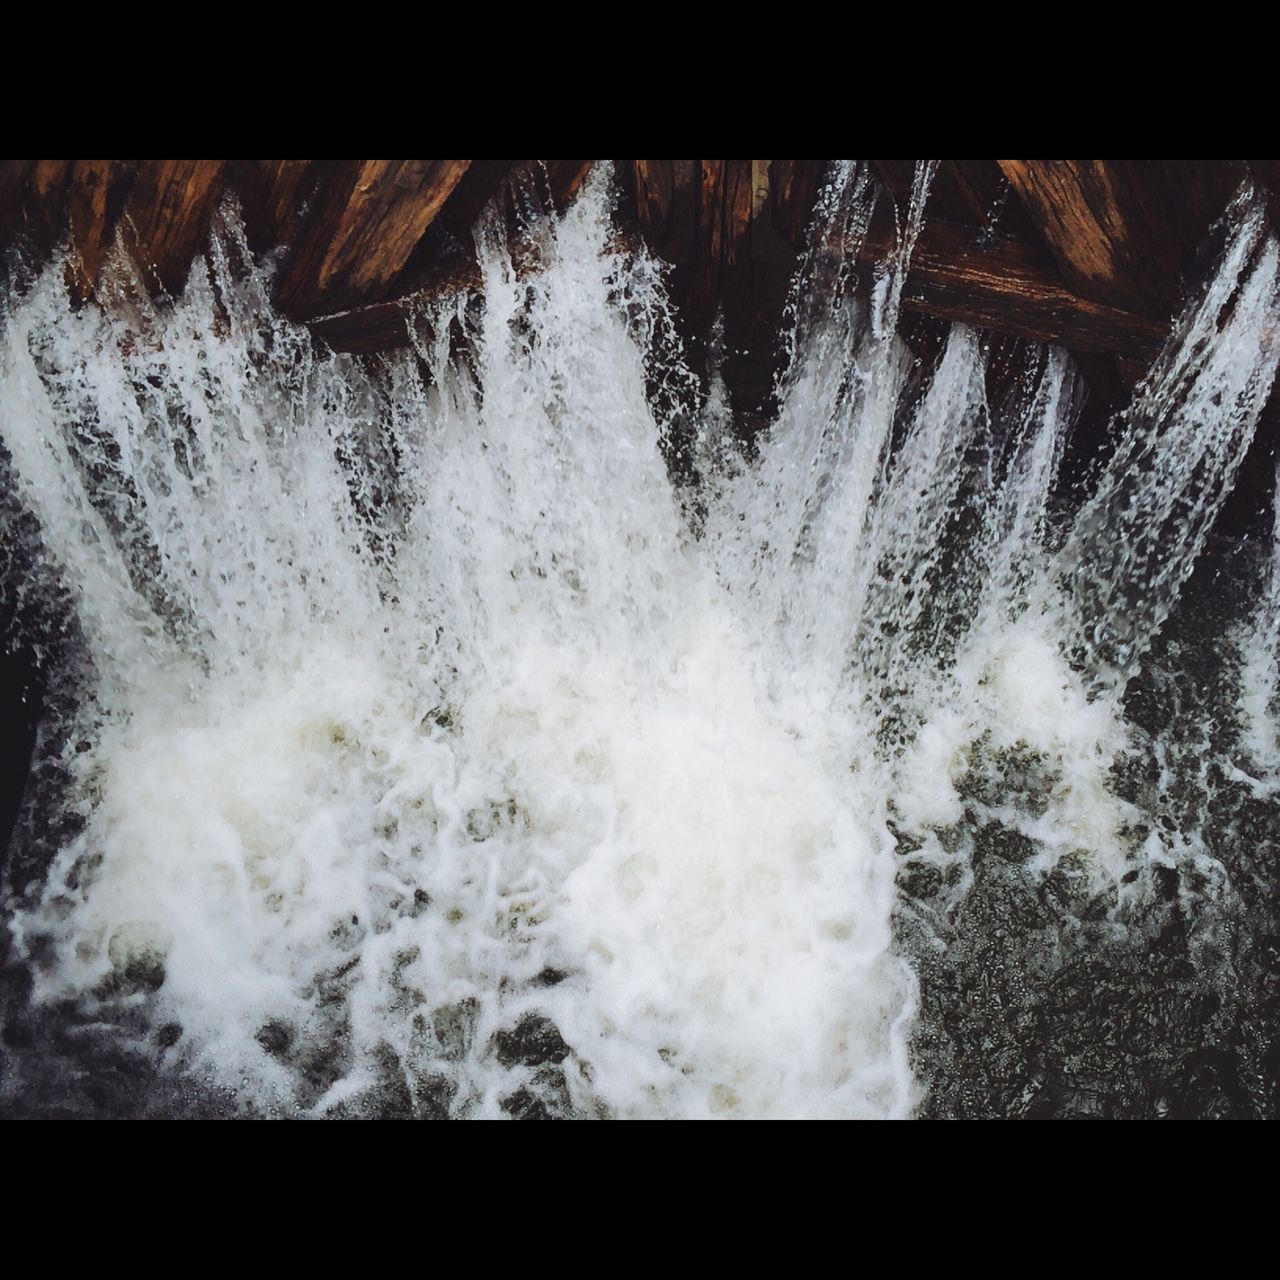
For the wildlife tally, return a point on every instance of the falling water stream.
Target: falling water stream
(416, 746)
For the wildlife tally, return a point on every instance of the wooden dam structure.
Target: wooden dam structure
(1090, 254)
(1094, 255)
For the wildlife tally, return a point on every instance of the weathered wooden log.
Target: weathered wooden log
(448, 242)
(971, 193)
(1004, 286)
(14, 176)
(723, 233)
(166, 217)
(42, 216)
(793, 188)
(476, 188)
(536, 185)
(383, 326)
(379, 230)
(953, 195)
(1267, 174)
(362, 231)
(443, 261)
(271, 198)
(666, 203)
(565, 179)
(95, 201)
(666, 216)
(1114, 234)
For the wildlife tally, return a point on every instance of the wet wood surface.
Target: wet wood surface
(1094, 255)
(166, 217)
(1005, 287)
(366, 222)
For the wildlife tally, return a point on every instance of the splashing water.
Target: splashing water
(429, 757)
(1260, 644)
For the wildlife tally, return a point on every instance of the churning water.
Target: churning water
(417, 747)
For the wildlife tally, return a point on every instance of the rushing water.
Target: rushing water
(418, 747)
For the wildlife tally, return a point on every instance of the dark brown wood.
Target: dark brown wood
(769, 245)
(897, 176)
(365, 226)
(166, 217)
(666, 207)
(95, 200)
(1120, 236)
(961, 192)
(967, 193)
(14, 176)
(1131, 370)
(271, 198)
(1005, 287)
(729, 230)
(449, 240)
(723, 236)
(1114, 233)
(1267, 174)
(44, 214)
(1105, 379)
(1195, 193)
(1001, 211)
(565, 178)
(475, 190)
(793, 189)
(534, 185)
(383, 326)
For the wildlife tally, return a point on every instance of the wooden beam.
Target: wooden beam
(666, 207)
(383, 326)
(971, 193)
(1004, 287)
(952, 194)
(1002, 211)
(769, 245)
(1195, 193)
(1113, 235)
(537, 183)
(448, 242)
(793, 189)
(566, 178)
(271, 196)
(95, 201)
(362, 232)
(723, 238)
(166, 217)
(14, 176)
(44, 214)
(476, 188)
(1266, 173)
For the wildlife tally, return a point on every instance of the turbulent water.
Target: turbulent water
(417, 746)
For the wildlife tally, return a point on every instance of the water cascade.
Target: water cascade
(418, 747)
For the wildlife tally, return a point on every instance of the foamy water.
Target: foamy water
(432, 756)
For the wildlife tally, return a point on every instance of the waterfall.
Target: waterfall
(426, 754)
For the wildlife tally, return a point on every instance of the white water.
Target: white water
(410, 689)
(1260, 643)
